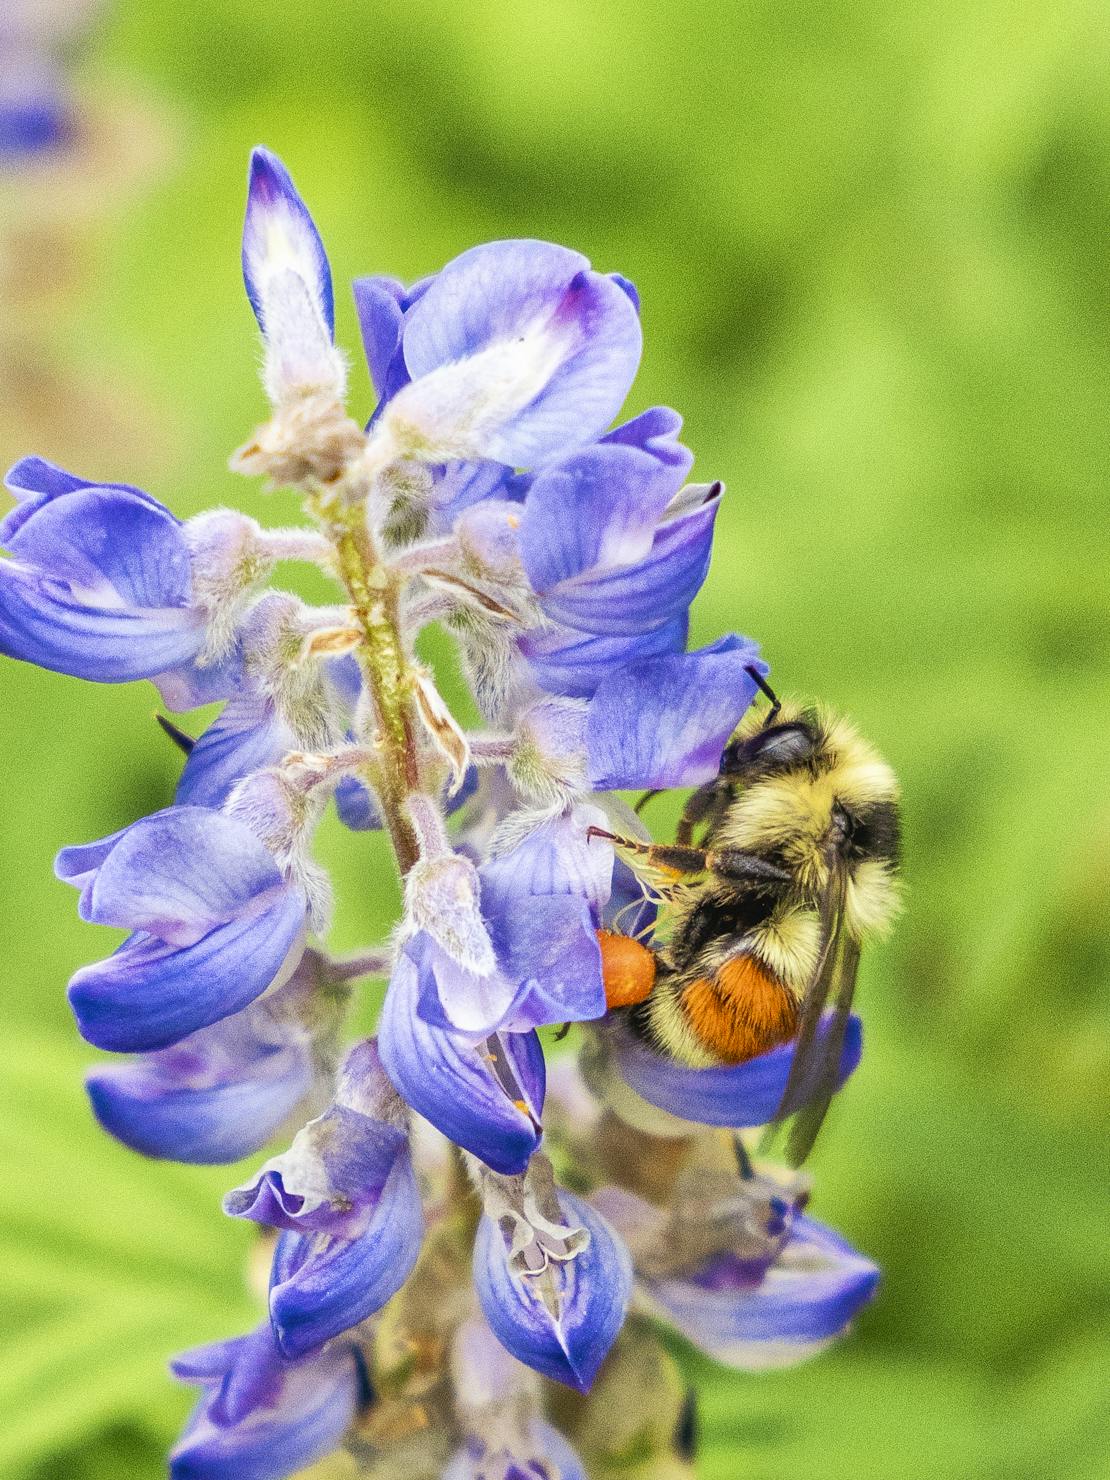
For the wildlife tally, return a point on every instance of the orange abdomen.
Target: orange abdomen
(627, 969)
(742, 1012)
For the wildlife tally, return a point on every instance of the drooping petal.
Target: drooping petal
(155, 1108)
(178, 874)
(734, 1095)
(653, 591)
(263, 1417)
(486, 1096)
(517, 352)
(663, 722)
(288, 282)
(806, 1299)
(324, 1286)
(150, 994)
(563, 1321)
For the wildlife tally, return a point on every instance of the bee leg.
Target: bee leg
(664, 858)
(749, 868)
(696, 810)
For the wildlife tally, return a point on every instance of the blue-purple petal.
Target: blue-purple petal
(594, 1290)
(629, 599)
(807, 1297)
(734, 1095)
(568, 663)
(272, 198)
(144, 1104)
(248, 736)
(599, 507)
(663, 722)
(345, 1157)
(502, 291)
(41, 622)
(288, 1415)
(488, 1104)
(178, 874)
(34, 482)
(150, 994)
(322, 1287)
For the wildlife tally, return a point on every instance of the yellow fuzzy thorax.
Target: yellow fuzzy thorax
(791, 813)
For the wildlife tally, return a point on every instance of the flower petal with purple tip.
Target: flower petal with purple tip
(517, 352)
(805, 1299)
(590, 1295)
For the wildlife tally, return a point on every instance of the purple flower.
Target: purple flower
(650, 722)
(607, 546)
(214, 922)
(733, 1095)
(539, 961)
(484, 1094)
(262, 1416)
(734, 1265)
(101, 586)
(346, 1193)
(217, 1096)
(288, 282)
(553, 1278)
(517, 351)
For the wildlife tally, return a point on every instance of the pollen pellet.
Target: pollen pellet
(627, 968)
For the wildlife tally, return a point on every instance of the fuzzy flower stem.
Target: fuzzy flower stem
(374, 592)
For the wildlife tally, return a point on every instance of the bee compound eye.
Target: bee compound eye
(785, 745)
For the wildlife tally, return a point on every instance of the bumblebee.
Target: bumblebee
(782, 866)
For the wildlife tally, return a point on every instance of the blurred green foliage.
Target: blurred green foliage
(871, 240)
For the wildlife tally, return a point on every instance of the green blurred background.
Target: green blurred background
(872, 245)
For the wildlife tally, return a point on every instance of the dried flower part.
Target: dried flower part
(443, 1294)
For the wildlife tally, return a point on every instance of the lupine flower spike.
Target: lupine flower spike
(461, 1230)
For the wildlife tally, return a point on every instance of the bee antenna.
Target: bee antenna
(765, 688)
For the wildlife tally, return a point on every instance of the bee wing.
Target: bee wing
(815, 1069)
